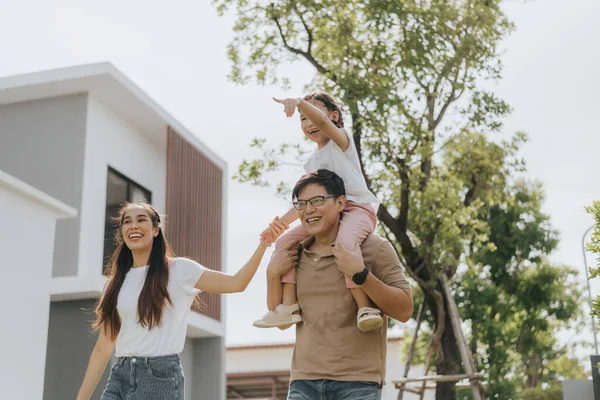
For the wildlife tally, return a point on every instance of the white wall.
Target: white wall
(396, 358)
(27, 245)
(111, 141)
(260, 359)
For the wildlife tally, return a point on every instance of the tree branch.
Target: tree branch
(306, 54)
(356, 136)
(408, 250)
(448, 66)
(444, 73)
(520, 338)
(404, 195)
(308, 31)
(470, 196)
(451, 99)
(285, 43)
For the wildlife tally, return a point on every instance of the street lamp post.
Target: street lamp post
(587, 280)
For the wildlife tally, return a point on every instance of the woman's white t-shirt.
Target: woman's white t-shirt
(169, 338)
(347, 165)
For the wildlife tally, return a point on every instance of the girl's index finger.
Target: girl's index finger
(278, 100)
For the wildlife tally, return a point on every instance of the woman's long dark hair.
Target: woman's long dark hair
(154, 294)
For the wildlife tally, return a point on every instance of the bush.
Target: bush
(464, 394)
(496, 391)
(551, 393)
(504, 390)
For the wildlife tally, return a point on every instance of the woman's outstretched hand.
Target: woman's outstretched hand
(289, 105)
(273, 231)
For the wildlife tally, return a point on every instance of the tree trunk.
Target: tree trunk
(450, 363)
(533, 369)
(473, 345)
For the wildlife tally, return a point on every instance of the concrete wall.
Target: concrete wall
(187, 359)
(578, 389)
(26, 245)
(207, 378)
(42, 144)
(111, 141)
(70, 343)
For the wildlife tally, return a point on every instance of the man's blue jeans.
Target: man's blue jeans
(325, 389)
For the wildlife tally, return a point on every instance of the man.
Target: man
(332, 358)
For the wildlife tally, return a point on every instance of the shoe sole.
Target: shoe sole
(266, 325)
(370, 324)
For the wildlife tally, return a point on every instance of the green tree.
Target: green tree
(594, 246)
(566, 366)
(410, 74)
(515, 299)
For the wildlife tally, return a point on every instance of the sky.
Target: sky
(176, 52)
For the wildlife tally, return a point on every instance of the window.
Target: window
(119, 190)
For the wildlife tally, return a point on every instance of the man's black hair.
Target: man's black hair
(333, 184)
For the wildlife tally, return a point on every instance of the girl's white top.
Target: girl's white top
(347, 165)
(136, 340)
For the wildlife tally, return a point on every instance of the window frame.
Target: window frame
(131, 185)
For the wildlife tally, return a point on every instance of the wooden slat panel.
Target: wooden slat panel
(194, 210)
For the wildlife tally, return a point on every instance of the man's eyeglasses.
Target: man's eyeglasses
(316, 201)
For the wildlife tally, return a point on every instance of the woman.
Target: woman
(144, 308)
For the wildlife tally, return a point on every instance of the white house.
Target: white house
(78, 142)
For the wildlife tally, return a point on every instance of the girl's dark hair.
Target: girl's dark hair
(333, 184)
(154, 294)
(329, 103)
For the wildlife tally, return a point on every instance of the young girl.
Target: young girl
(144, 308)
(322, 122)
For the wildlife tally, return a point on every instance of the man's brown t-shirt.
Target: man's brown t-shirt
(328, 343)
